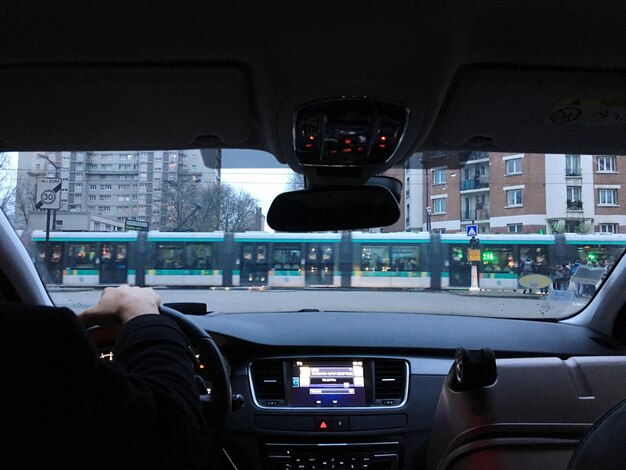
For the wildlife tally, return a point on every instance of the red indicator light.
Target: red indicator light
(347, 141)
(382, 146)
(333, 151)
(309, 146)
(347, 150)
(360, 149)
(323, 425)
(311, 137)
(383, 138)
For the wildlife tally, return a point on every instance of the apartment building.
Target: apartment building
(116, 186)
(515, 192)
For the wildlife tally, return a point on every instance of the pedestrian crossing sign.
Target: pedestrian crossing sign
(471, 230)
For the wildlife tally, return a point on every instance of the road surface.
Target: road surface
(508, 305)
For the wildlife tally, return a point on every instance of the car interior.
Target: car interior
(440, 391)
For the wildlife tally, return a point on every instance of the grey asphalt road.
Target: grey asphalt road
(253, 300)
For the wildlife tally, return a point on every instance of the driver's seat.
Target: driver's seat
(603, 447)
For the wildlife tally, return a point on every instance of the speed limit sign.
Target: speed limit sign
(48, 195)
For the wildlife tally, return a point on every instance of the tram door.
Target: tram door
(55, 263)
(254, 264)
(114, 263)
(319, 264)
(460, 267)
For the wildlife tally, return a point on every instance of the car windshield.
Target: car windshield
(515, 235)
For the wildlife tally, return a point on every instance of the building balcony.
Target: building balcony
(111, 172)
(476, 183)
(471, 156)
(573, 172)
(474, 214)
(574, 205)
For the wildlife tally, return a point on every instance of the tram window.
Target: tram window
(261, 254)
(457, 254)
(200, 256)
(405, 258)
(284, 257)
(538, 255)
(81, 255)
(169, 256)
(247, 252)
(498, 259)
(598, 254)
(375, 258)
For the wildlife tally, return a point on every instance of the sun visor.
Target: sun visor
(62, 108)
(545, 111)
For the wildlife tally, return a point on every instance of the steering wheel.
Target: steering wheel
(217, 400)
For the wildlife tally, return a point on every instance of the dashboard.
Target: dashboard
(346, 390)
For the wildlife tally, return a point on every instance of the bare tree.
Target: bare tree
(7, 185)
(193, 207)
(222, 207)
(295, 182)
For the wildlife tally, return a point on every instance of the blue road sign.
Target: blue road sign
(471, 230)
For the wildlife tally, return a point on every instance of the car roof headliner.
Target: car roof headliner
(489, 75)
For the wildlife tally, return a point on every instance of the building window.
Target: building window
(514, 228)
(105, 198)
(92, 197)
(93, 186)
(105, 186)
(607, 197)
(609, 228)
(606, 164)
(439, 205)
(104, 208)
(572, 165)
(572, 226)
(439, 176)
(514, 198)
(514, 166)
(574, 202)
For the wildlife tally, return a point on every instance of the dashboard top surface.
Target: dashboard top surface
(394, 331)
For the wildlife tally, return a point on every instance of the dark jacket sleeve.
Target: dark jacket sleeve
(60, 403)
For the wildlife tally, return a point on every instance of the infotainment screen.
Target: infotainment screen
(328, 384)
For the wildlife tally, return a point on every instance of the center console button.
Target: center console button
(323, 423)
(341, 423)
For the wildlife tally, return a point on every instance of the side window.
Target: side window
(81, 256)
(375, 258)
(498, 259)
(169, 256)
(405, 258)
(286, 257)
(200, 256)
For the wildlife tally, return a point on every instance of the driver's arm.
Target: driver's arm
(153, 377)
(62, 405)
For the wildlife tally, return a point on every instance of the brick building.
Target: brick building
(515, 192)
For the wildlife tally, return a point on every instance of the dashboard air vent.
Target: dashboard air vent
(389, 382)
(268, 380)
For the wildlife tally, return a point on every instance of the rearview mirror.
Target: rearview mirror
(333, 208)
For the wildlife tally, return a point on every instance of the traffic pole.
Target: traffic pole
(46, 259)
(474, 287)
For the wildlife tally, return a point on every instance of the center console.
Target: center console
(330, 412)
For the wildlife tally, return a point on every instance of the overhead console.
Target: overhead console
(348, 132)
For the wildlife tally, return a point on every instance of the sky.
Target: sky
(263, 183)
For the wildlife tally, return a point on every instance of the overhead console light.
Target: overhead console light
(348, 132)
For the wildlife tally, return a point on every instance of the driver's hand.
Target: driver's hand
(121, 304)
